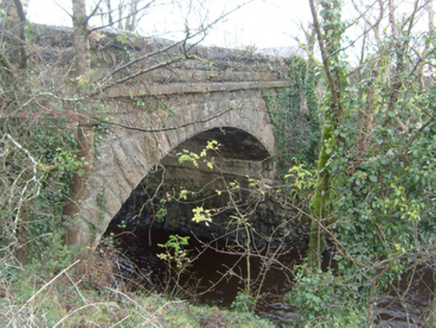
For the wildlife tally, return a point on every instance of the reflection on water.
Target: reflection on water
(407, 302)
(216, 277)
(219, 275)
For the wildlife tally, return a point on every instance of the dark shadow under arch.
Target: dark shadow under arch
(235, 143)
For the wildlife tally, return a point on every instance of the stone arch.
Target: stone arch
(126, 155)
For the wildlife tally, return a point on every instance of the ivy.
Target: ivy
(375, 197)
(294, 112)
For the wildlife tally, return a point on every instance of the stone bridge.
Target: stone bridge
(182, 100)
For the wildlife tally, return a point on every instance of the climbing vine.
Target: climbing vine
(295, 115)
(36, 169)
(374, 203)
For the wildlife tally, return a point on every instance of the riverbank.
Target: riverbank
(70, 301)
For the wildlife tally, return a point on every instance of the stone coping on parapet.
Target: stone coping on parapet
(200, 87)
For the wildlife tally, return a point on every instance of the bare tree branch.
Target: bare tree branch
(170, 128)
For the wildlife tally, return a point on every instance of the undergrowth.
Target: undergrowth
(96, 297)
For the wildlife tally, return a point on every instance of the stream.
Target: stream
(216, 277)
(217, 273)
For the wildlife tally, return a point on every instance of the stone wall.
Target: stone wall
(179, 95)
(127, 154)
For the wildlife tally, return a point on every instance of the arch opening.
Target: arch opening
(244, 218)
(165, 198)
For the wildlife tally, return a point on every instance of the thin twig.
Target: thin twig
(170, 128)
(75, 287)
(133, 301)
(69, 314)
(41, 289)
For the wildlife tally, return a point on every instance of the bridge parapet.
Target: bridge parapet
(166, 62)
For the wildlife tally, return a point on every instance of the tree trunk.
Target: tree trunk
(82, 57)
(318, 205)
(332, 118)
(15, 24)
(77, 230)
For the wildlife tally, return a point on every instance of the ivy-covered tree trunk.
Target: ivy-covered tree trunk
(331, 14)
(77, 228)
(15, 24)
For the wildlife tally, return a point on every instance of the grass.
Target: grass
(72, 300)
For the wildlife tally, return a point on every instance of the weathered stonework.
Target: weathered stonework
(126, 155)
(178, 99)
